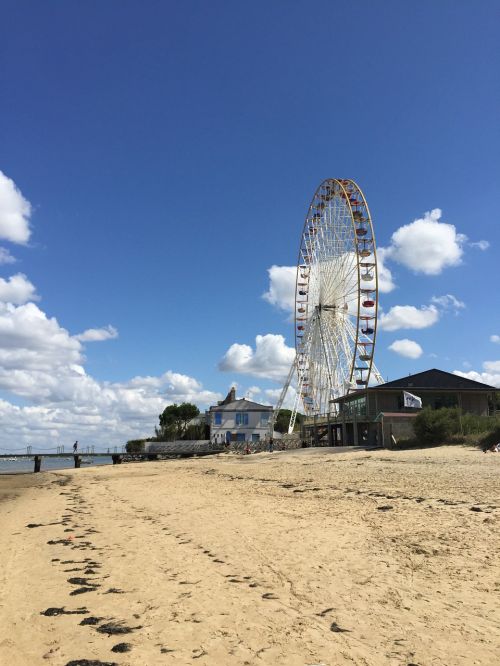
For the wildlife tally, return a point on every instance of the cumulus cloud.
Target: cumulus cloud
(385, 279)
(408, 316)
(15, 212)
(97, 334)
(253, 393)
(490, 374)
(448, 302)
(427, 245)
(43, 364)
(6, 257)
(273, 395)
(271, 358)
(407, 348)
(495, 338)
(481, 245)
(281, 287)
(17, 290)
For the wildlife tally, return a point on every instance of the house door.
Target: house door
(228, 437)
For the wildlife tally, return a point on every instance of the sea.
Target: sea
(19, 465)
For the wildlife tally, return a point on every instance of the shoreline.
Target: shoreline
(369, 557)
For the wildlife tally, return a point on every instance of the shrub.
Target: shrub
(434, 426)
(491, 438)
(135, 445)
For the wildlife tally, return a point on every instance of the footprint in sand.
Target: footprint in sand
(270, 595)
(121, 647)
(338, 630)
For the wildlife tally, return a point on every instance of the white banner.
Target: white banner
(410, 400)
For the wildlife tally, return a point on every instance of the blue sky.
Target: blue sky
(169, 152)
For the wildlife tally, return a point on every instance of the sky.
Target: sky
(157, 161)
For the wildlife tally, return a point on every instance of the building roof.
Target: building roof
(428, 380)
(435, 379)
(242, 405)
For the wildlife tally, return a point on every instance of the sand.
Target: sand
(298, 558)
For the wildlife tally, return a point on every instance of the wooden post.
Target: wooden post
(330, 442)
(78, 461)
(38, 463)
(355, 427)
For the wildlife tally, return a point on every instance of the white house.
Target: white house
(242, 420)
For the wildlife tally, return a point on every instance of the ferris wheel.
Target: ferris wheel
(336, 300)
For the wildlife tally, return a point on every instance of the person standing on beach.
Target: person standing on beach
(75, 447)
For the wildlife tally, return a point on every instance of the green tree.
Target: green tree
(135, 445)
(174, 420)
(283, 420)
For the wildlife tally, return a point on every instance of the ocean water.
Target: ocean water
(17, 465)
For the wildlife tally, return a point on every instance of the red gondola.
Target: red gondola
(368, 304)
(361, 232)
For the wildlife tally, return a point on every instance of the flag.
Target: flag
(410, 400)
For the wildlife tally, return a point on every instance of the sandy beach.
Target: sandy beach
(298, 558)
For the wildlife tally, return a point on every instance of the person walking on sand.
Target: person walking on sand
(75, 447)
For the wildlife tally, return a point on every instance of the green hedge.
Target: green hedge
(436, 426)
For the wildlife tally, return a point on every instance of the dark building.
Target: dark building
(377, 414)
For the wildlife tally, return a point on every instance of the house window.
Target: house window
(264, 418)
(255, 437)
(218, 418)
(241, 418)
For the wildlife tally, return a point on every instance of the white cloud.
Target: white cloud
(6, 257)
(495, 338)
(492, 366)
(273, 395)
(17, 289)
(407, 348)
(385, 279)
(43, 364)
(15, 212)
(97, 334)
(427, 245)
(481, 245)
(270, 360)
(490, 374)
(253, 393)
(408, 316)
(448, 302)
(281, 287)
